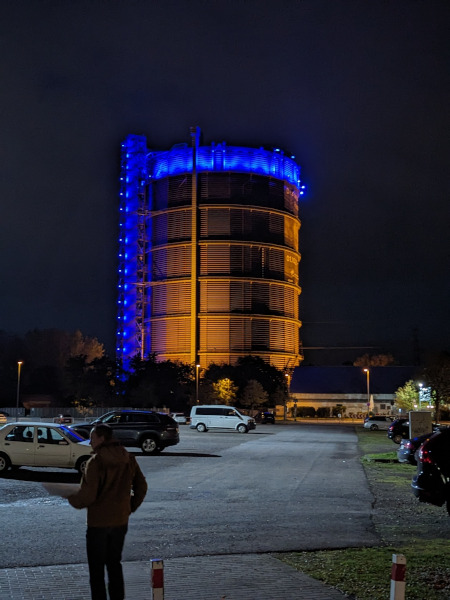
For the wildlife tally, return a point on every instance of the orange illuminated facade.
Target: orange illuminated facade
(209, 254)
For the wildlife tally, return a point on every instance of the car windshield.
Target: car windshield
(72, 435)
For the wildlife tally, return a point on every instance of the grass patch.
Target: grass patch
(381, 457)
(364, 573)
(416, 530)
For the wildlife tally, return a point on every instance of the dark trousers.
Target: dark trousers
(104, 548)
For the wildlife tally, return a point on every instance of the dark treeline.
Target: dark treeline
(74, 370)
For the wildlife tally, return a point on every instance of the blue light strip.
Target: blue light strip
(133, 174)
(221, 157)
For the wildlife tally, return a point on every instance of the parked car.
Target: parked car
(408, 448)
(145, 429)
(377, 422)
(265, 417)
(63, 419)
(37, 444)
(431, 484)
(398, 430)
(204, 417)
(179, 418)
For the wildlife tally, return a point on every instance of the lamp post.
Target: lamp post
(288, 386)
(197, 367)
(19, 365)
(367, 372)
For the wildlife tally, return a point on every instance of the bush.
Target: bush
(306, 411)
(323, 412)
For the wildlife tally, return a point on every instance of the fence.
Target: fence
(50, 412)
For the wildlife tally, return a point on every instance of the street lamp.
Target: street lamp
(367, 372)
(288, 386)
(19, 365)
(197, 367)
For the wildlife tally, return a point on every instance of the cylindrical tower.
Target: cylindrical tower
(208, 268)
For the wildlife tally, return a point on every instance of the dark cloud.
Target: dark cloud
(357, 91)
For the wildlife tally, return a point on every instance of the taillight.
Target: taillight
(425, 456)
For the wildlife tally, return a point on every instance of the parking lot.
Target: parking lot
(279, 487)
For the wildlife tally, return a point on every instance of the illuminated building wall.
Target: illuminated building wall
(208, 254)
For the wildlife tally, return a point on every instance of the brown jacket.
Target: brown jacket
(112, 487)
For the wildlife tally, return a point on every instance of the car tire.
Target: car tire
(242, 428)
(81, 464)
(397, 438)
(374, 427)
(149, 445)
(5, 463)
(201, 427)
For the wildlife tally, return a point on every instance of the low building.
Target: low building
(351, 388)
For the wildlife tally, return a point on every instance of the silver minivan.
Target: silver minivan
(215, 416)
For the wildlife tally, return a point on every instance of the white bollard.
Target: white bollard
(398, 577)
(157, 579)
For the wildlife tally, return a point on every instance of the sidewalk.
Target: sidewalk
(235, 577)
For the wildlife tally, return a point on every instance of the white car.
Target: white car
(378, 422)
(179, 418)
(36, 444)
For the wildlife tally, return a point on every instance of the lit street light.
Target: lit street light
(367, 372)
(19, 365)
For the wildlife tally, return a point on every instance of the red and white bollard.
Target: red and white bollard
(157, 579)
(398, 577)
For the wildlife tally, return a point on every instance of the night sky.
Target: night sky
(357, 90)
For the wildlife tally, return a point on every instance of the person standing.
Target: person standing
(112, 487)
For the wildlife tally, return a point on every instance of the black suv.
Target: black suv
(150, 431)
(398, 430)
(431, 484)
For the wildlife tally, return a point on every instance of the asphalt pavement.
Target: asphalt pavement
(228, 577)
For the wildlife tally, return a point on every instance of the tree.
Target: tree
(254, 394)
(376, 360)
(407, 396)
(225, 391)
(53, 347)
(152, 383)
(437, 376)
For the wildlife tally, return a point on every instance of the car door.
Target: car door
(117, 421)
(215, 417)
(52, 450)
(231, 419)
(124, 426)
(20, 445)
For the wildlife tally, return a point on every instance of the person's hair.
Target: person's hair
(104, 431)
